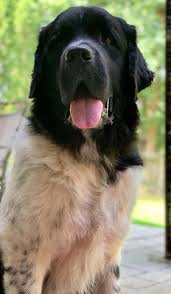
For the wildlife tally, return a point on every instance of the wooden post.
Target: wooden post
(168, 129)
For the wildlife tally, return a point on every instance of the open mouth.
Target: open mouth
(87, 111)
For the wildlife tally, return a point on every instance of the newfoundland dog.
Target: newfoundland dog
(65, 211)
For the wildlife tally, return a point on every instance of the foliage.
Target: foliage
(20, 22)
(146, 210)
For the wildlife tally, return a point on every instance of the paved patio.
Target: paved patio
(144, 268)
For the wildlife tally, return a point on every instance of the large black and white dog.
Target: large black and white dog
(66, 208)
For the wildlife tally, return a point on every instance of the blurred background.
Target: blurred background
(20, 23)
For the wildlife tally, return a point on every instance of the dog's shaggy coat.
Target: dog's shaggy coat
(66, 208)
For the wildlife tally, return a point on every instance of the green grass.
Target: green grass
(149, 210)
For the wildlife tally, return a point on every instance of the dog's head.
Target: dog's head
(87, 64)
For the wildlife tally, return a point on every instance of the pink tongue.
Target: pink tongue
(86, 113)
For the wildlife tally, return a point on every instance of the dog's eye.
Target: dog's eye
(108, 41)
(59, 37)
(105, 38)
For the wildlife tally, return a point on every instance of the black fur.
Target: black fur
(119, 67)
(116, 272)
(1, 276)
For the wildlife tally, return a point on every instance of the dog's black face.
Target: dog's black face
(88, 70)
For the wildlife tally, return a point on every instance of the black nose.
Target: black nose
(79, 53)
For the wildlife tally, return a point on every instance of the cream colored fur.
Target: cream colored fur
(60, 216)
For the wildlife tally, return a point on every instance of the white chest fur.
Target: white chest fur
(80, 221)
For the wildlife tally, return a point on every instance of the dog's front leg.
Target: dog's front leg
(23, 271)
(108, 282)
(17, 282)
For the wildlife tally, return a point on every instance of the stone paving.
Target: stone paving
(144, 268)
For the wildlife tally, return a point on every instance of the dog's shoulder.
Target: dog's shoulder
(33, 149)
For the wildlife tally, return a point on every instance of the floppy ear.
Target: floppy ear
(36, 75)
(139, 76)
